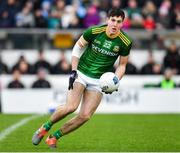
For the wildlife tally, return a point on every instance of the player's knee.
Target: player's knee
(84, 117)
(71, 109)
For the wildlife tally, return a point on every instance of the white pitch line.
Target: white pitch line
(13, 127)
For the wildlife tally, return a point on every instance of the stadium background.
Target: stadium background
(36, 38)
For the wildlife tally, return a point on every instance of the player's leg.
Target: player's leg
(73, 100)
(91, 100)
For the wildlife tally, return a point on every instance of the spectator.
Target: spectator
(21, 58)
(172, 58)
(105, 5)
(92, 17)
(16, 83)
(149, 9)
(41, 81)
(131, 68)
(11, 6)
(134, 13)
(54, 20)
(167, 82)
(37, 4)
(23, 66)
(56, 15)
(148, 67)
(25, 18)
(42, 63)
(164, 16)
(151, 67)
(75, 22)
(45, 7)
(5, 20)
(3, 67)
(127, 21)
(82, 13)
(149, 23)
(40, 21)
(157, 69)
(71, 18)
(62, 66)
(80, 10)
(116, 4)
(175, 20)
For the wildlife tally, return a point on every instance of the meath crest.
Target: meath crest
(116, 48)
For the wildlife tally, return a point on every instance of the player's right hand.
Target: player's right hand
(72, 78)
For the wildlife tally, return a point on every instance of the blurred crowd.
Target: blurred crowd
(22, 65)
(62, 14)
(42, 67)
(66, 14)
(171, 61)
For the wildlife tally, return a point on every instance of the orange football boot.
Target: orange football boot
(38, 135)
(51, 141)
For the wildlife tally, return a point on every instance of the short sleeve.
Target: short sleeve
(87, 35)
(126, 50)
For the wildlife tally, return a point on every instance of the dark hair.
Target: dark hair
(116, 12)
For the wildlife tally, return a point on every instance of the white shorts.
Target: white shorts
(89, 83)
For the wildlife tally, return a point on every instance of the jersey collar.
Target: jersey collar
(113, 36)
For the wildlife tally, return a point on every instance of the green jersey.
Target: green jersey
(102, 51)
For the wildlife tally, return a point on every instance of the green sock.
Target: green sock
(48, 125)
(57, 134)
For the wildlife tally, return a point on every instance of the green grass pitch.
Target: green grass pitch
(103, 133)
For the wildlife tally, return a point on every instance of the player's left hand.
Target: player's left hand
(109, 92)
(72, 78)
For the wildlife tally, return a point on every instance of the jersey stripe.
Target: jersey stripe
(124, 39)
(98, 30)
(127, 40)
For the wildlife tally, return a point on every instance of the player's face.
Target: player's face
(114, 24)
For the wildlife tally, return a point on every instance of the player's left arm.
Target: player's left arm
(121, 69)
(123, 59)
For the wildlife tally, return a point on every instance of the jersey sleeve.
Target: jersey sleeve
(126, 50)
(87, 35)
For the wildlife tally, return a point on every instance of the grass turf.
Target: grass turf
(103, 133)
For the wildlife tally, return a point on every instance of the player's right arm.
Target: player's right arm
(77, 51)
(80, 46)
